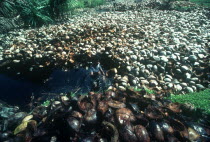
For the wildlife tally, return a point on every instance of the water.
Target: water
(76, 80)
(17, 91)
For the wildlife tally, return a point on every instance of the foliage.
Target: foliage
(200, 99)
(149, 91)
(34, 12)
(7, 24)
(146, 89)
(56, 7)
(205, 3)
(7, 8)
(8, 15)
(179, 5)
(183, 6)
(60, 7)
(71, 5)
(93, 3)
(72, 94)
(46, 103)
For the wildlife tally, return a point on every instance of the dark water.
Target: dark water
(76, 80)
(16, 91)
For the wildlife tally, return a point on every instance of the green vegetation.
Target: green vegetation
(74, 4)
(146, 89)
(8, 15)
(35, 13)
(149, 91)
(184, 5)
(71, 5)
(205, 3)
(93, 3)
(71, 94)
(200, 99)
(7, 8)
(46, 103)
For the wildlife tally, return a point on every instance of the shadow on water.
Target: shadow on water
(17, 91)
(75, 80)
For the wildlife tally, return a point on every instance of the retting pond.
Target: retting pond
(18, 90)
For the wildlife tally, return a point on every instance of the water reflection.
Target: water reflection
(16, 91)
(76, 80)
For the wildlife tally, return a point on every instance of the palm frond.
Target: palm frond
(35, 12)
(7, 24)
(7, 8)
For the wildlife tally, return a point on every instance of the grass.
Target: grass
(71, 5)
(36, 13)
(93, 3)
(205, 3)
(46, 103)
(190, 7)
(146, 89)
(200, 99)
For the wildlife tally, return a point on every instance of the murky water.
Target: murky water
(76, 80)
(17, 91)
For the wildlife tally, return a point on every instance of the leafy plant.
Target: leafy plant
(71, 5)
(34, 12)
(93, 3)
(46, 103)
(9, 18)
(7, 8)
(205, 3)
(59, 7)
(146, 89)
(200, 99)
(56, 7)
(72, 94)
